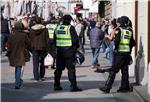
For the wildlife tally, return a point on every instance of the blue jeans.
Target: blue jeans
(103, 46)
(38, 60)
(95, 53)
(18, 75)
(111, 50)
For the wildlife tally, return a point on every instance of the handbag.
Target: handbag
(48, 61)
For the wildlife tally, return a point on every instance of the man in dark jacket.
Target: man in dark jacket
(67, 43)
(96, 37)
(39, 43)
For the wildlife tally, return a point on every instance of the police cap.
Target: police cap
(125, 19)
(67, 18)
(121, 21)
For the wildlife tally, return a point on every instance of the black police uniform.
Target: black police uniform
(66, 58)
(121, 62)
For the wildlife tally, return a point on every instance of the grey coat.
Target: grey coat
(96, 35)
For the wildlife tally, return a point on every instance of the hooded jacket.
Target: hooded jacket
(39, 37)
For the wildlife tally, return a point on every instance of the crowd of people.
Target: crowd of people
(62, 38)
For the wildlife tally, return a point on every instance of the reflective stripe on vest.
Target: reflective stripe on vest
(63, 36)
(51, 28)
(124, 41)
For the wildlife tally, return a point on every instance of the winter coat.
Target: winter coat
(18, 45)
(39, 37)
(96, 35)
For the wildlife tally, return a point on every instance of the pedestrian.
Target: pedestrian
(106, 41)
(67, 43)
(4, 32)
(79, 29)
(84, 23)
(39, 43)
(123, 39)
(96, 37)
(110, 37)
(91, 25)
(51, 26)
(18, 46)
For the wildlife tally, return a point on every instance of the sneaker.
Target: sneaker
(57, 88)
(93, 66)
(75, 89)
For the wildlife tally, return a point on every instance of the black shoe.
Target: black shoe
(105, 89)
(124, 90)
(75, 89)
(98, 65)
(57, 88)
(100, 70)
(17, 87)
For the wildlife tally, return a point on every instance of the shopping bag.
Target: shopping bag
(48, 61)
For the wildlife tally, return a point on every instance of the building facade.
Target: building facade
(139, 13)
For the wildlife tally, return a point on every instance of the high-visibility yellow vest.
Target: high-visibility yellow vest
(63, 36)
(125, 41)
(51, 28)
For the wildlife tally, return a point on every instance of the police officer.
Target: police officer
(121, 58)
(51, 26)
(66, 43)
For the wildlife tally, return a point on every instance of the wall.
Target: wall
(143, 36)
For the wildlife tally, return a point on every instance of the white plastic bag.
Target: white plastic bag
(48, 61)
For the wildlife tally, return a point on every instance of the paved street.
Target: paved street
(88, 80)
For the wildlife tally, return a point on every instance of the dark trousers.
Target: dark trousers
(38, 60)
(61, 63)
(120, 63)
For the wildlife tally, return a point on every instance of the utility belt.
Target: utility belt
(122, 53)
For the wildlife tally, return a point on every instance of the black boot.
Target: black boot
(57, 88)
(75, 89)
(109, 82)
(100, 70)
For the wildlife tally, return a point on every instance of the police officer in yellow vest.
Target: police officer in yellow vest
(51, 26)
(123, 39)
(67, 42)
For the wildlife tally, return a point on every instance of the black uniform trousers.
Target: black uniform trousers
(121, 62)
(63, 62)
